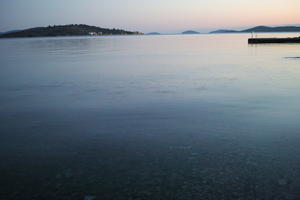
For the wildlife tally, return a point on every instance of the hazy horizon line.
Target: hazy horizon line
(201, 30)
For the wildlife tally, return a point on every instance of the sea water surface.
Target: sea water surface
(176, 117)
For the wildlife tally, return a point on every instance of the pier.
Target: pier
(273, 40)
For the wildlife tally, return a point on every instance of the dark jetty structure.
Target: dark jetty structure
(273, 40)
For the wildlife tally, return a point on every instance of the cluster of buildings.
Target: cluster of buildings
(95, 33)
(100, 33)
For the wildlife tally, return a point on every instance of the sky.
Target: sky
(165, 16)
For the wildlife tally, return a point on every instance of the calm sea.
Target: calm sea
(177, 117)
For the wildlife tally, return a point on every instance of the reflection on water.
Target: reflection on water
(149, 117)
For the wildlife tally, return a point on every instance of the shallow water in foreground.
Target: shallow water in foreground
(149, 117)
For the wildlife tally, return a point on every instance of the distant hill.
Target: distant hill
(273, 29)
(263, 29)
(66, 30)
(153, 33)
(224, 31)
(190, 32)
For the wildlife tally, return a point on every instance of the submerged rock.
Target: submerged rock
(89, 197)
(282, 182)
(58, 176)
(290, 197)
(68, 173)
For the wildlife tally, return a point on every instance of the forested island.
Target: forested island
(67, 30)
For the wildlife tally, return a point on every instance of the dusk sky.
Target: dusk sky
(149, 15)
